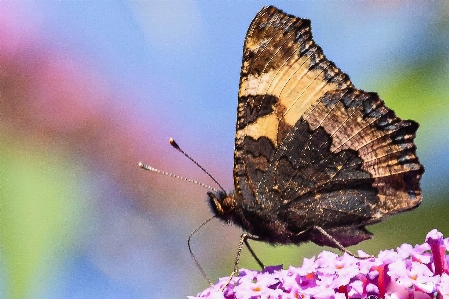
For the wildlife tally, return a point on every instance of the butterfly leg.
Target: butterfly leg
(237, 259)
(336, 243)
(252, 251)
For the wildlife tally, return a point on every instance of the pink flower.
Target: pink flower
(419, 272)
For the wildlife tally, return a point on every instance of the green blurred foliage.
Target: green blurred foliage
(419, 92)
(42, 209)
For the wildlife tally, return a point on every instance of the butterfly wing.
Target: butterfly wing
(283, 73)
(310, 148)
(343, 168)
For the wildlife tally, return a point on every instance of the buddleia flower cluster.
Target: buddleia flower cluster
(419, 271)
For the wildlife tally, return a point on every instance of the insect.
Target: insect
(315, 159)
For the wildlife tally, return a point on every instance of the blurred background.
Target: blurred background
(90, 88)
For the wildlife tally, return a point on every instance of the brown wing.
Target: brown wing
(286, 79)
(283, 73)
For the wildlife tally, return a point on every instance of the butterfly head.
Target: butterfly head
(222, 204)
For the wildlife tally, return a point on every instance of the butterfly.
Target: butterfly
(315, 159)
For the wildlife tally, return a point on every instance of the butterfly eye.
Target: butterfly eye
(228, 204)
(221, 204)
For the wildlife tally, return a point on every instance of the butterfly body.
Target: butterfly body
(311, 150)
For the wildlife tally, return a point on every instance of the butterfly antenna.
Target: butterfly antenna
(150, 168)
(176, 146)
